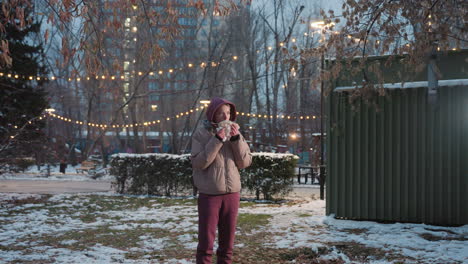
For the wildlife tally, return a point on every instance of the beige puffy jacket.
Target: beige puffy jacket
(215, 163)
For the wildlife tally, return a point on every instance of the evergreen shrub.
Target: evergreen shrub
(152, 174)
(270, 174)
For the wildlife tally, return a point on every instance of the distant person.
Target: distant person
(63, 165)
(218, 151)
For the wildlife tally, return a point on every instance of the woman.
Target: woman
(215, 163)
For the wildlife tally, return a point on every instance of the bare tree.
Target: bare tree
(94, 41)
(280, 24)
(413, 30)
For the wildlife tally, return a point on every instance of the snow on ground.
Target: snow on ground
(17, 196)
(295, 225)
(404, 239)
(15, 230)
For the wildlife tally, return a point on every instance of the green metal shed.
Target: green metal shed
(407, 159)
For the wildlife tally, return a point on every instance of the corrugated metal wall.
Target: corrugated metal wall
(407, 161)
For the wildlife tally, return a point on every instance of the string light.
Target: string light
(190, 65)
(111, 77)
(177, 116)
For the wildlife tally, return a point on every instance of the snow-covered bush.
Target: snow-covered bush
(270, 174)
(166, 174)
(154, 174)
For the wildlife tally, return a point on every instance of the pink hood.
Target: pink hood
(215, 103)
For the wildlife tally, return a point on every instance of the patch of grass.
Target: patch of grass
(28, 200)
(120, 239)
(110, 203)
(355, 231)
(158, 256)
(54, 208)
(359, 252)
(245, 204)
(139, 222)
(431, 237)
(254, 249)
(440, 230)
(130, 202)
(12, 247)
(135, 255)
(248, 222)
(177, 250)
(252, 241)
(180, 202)
(169, 220)
(303, 254)
(304, 215)
(42, 261)
(88, 218)
(94, 205)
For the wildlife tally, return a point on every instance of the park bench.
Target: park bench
(86, 166)
(308, 171)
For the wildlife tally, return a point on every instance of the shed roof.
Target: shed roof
(407, 85)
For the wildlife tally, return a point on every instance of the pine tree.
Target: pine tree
(22, 100)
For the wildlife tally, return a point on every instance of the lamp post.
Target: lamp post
(322, 158)
(48, 111)
(322, 170)
(293, 136)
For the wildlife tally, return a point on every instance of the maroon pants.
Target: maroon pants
(216, 211)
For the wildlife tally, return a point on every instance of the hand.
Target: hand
(221, 133)
(234, 130)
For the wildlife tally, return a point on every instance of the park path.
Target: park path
(57, 187)
(53, 187)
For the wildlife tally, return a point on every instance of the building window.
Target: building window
(179, 43)
(185, 21)
(126, 65)
(152, 86)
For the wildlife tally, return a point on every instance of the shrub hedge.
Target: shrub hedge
(270, 174)
(153, 174)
